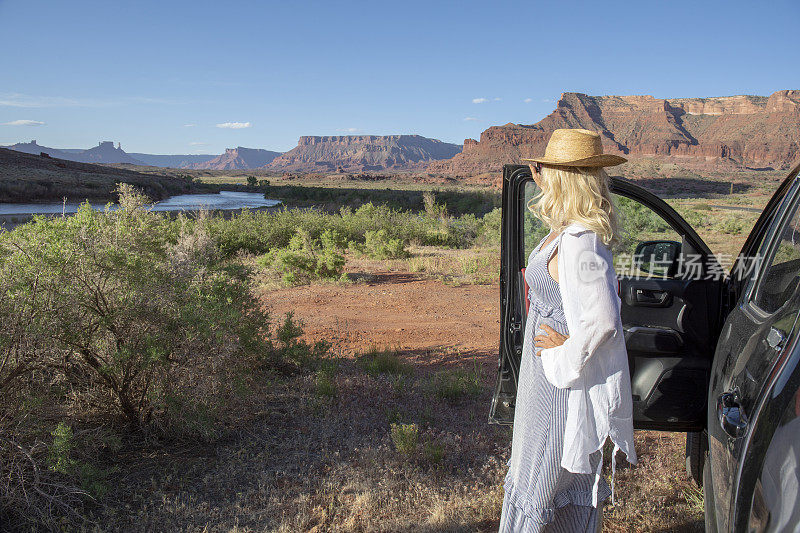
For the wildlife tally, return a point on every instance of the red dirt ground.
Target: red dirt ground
(397, 310)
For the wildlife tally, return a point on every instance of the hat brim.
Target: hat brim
(599, 160)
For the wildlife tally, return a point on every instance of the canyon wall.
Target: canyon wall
(740, 131)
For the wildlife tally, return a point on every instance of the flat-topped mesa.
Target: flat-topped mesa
(729, 131)
(357, 153)
(359, 139)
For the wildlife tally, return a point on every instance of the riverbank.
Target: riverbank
(11, 221)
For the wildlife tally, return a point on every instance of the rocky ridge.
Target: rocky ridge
(359, 153)
(104, 153)
(753, 132)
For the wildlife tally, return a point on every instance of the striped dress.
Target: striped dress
(540, 495)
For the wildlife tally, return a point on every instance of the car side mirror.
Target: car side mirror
(657, 258)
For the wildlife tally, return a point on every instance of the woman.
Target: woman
(574, 386)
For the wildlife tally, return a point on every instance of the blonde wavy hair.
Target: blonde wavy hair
(577, 194)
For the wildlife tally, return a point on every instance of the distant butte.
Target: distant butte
(363, 153)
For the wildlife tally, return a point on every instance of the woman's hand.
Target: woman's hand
(551, 339)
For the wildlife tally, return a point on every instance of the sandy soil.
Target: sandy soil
(397, 310)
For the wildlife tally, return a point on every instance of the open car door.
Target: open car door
(671, 303)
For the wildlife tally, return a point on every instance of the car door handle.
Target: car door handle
(651, 298)
(730, 414)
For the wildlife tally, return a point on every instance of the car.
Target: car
(712, 352)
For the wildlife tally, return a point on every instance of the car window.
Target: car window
(637, 223)
(781, 270)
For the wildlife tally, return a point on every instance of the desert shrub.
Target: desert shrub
(123, 315)
(306, 259)
(636, 218)
(730, 225)
(126, 304)
(382, 362)
(433, 209)
(259, 232)
(695, 218)
(489, 233)
(480, 269)
(299, 354)
(378, 245)
(405, 437)
(461, 232)
(452, 385)
(325, 386)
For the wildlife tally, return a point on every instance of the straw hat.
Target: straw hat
(576, 148)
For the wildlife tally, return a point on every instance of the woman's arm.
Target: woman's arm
(586, 286)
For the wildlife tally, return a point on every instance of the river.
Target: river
(224, 200)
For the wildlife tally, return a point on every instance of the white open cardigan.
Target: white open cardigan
(593, 361)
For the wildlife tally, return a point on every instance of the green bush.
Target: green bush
(325, 384)
(306, 259)
(378, 245)
(405, 438)
(59, 453)
(258, 232)
(127, 305)
(453, 385)
(695, 218)
(382, 362)
(731, 226)
(636, 218)
(296, 352)
(489, 233)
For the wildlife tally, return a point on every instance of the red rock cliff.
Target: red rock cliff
(746, 131)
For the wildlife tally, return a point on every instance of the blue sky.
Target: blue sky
(168, 76)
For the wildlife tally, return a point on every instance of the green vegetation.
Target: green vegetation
(405, 437)
(306, 259)
(123, 319)
(382, 362)
(730, 226)
(456, 384)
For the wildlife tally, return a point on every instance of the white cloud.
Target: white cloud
(348, 130)
(498, 99)
(197, 144)
(548, 100)
(479, 100)
(234, 125)
(23, 123)
(189, 125)
(528, 100)
(470, 119)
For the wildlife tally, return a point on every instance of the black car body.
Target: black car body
(711, 353)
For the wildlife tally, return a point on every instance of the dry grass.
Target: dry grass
(315, 462)
(456, 267)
